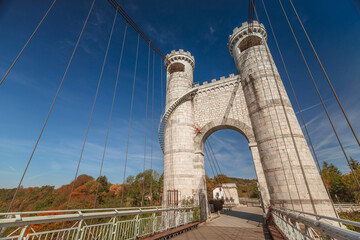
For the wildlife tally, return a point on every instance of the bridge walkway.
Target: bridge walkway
(240, 223)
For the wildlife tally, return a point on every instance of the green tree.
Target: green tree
(350, 184)
(254, 191)
(334, 182)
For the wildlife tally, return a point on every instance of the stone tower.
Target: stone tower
(179, 131)
(253, 103)
(288, 165)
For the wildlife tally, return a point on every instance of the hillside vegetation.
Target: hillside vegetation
(342, 188)
(109, 195)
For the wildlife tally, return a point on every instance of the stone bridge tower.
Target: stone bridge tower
(254, 103)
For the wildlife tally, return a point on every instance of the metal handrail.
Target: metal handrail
(75, 210)
(325, 228)
(318, 217)
(24, 221)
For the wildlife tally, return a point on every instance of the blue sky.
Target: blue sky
(201, 27)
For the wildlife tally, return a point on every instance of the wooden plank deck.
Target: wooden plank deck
(240, 223)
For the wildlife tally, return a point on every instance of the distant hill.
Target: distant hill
(247, 188)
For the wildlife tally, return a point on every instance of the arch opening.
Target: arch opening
(229, 167)
(176, 67)
(214, 126)
(249, 42)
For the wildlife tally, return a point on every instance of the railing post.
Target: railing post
(22, 233)
(79, 229)
(153, 223)
(136, 226)
(167, 219)
(114, 228)
(176, 215)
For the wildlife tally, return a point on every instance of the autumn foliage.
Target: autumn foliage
(83, 195)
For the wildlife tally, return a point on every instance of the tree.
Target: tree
(221, 178)
(354, 164)
(350, 184)
(254, 191)
(333, 180)
(209, 186)
(130, 179)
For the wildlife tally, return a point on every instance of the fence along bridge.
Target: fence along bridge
(254, 103)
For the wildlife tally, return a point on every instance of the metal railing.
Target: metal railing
(302, 225)
(119, 223)
(347, 207)
(250, 202)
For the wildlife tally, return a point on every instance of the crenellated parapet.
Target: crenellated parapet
(218, 84)
(240, 33)
(175, 56)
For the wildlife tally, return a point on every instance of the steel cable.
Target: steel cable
(324, 71)
(152, 128)
(161, 88)
(130, 118)
(26, 44)
(52, 105)
(113, 101)
(318, 93)
(216, 163)
(146, 118)
(210, 163)
(91, 115)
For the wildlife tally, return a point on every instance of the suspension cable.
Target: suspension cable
(297, 103)
(130, 118)
(91, 115)
(318, 92)
(146, 118)
(112, 105)
(52, 105)
(206, 155)
(128, 19)
(215, 161)
(161, 87)
(220, 177)
(26, 44)
(210, 162)
(152, 128)
(212, 154)
(324, 71)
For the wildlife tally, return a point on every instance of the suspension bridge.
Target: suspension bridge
(296, 203)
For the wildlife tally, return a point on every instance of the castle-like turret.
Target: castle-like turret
(289, 168)
(179, 130)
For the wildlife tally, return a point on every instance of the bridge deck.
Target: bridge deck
(240, 223)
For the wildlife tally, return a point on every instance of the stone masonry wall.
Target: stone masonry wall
(212, 100)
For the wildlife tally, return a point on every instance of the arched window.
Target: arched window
(176, 67)
(249, 42)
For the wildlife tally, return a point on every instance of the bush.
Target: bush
(218, 204)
